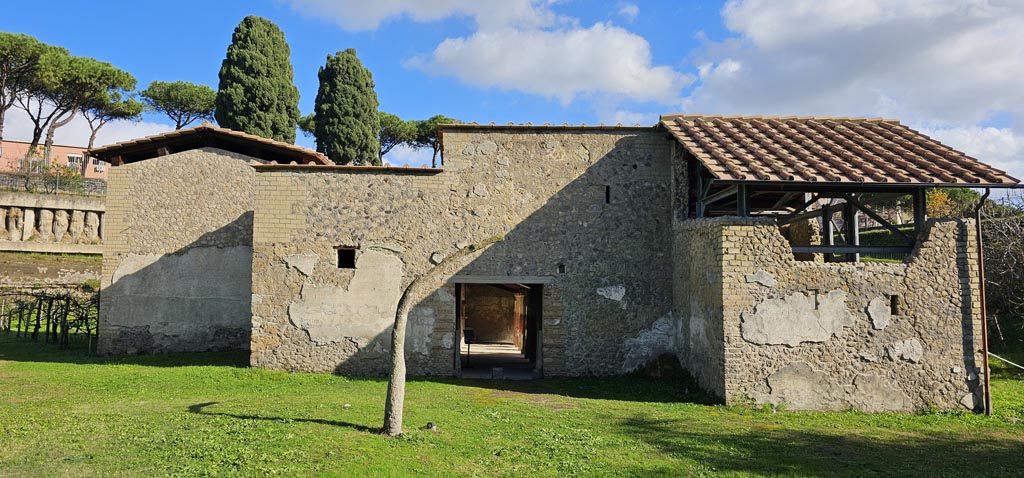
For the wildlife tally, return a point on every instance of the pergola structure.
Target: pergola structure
(798, 168)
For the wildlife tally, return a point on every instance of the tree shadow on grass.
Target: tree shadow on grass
(779, 450)
(24, 349)
(630, 388)
(661, 381)
(200, 409)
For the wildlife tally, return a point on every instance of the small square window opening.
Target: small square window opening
(346, 258)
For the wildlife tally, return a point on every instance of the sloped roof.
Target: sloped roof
(207, 135)
(822, 149)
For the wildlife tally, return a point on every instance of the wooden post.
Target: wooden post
(700, 195)
(64, 337)
(49, 320)
(826, 230)
(21, 319)
(742, 208)
(852, 230)
(39, 316)
(920, 213)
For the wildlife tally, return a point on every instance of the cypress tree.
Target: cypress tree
(347, 122)
(257, 94)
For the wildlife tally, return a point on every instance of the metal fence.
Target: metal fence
(90, 186)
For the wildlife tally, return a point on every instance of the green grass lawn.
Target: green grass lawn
(63, 413)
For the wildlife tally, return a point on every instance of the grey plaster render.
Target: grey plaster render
(304, 263)
(909, 350)
(760, 277)
(364, 310)
(649, 344)
(880, 312)
(794, 319)
(163, 296)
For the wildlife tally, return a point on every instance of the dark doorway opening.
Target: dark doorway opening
(498, 326)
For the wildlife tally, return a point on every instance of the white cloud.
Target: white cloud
(999, 147)
(629, 11)
(945, 66)
(18, 127)
(922, 60)
(403, 155)
(562, 64)
(362, 15)
(522, 45)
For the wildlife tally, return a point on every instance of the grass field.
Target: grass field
(63, 413)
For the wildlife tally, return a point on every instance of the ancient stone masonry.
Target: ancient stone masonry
(178, 254)
(871, 336)
(587, 214)
(40, 223)
(591, 244)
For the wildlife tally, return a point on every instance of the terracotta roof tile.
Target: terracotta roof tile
(823, 149)
(308, 156)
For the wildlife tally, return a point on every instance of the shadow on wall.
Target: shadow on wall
(198, 298)
(601, 240)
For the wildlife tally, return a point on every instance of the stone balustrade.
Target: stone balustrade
(51, 223)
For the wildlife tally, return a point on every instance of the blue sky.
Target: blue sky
(948, 67)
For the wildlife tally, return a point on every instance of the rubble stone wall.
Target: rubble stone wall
(832, 336)
(586, 213)
(177, 258)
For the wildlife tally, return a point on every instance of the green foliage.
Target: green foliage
(394, 131)
(307, 124)
(63, 178)
(19, 57)
(256, 93)
(70, 413)
(108, 107)
(426, 134)
(181, 101)
(347, 123)
(964, 199)
(63, 83)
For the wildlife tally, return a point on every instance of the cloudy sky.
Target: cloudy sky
(951, 68)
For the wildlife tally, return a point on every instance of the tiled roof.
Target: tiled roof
(541, 126)
(809, 149)
(274, 150)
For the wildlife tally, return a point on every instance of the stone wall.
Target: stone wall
(697, 294)
(871, 336)
(50, 223)
(489, 311)
(178, 254)
(585, 212)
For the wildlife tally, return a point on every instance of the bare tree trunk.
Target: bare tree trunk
(3, 113)
(92, 141)
(57, 123)
(395, 402)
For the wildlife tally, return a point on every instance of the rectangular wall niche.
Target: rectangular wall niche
(346, 258)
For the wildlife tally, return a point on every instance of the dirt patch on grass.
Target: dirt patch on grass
(532, 393)
(27, 269)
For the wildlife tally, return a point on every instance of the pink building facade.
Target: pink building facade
(13, 154)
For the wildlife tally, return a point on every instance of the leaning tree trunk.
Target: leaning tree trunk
(48, 144)
(395, 401)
